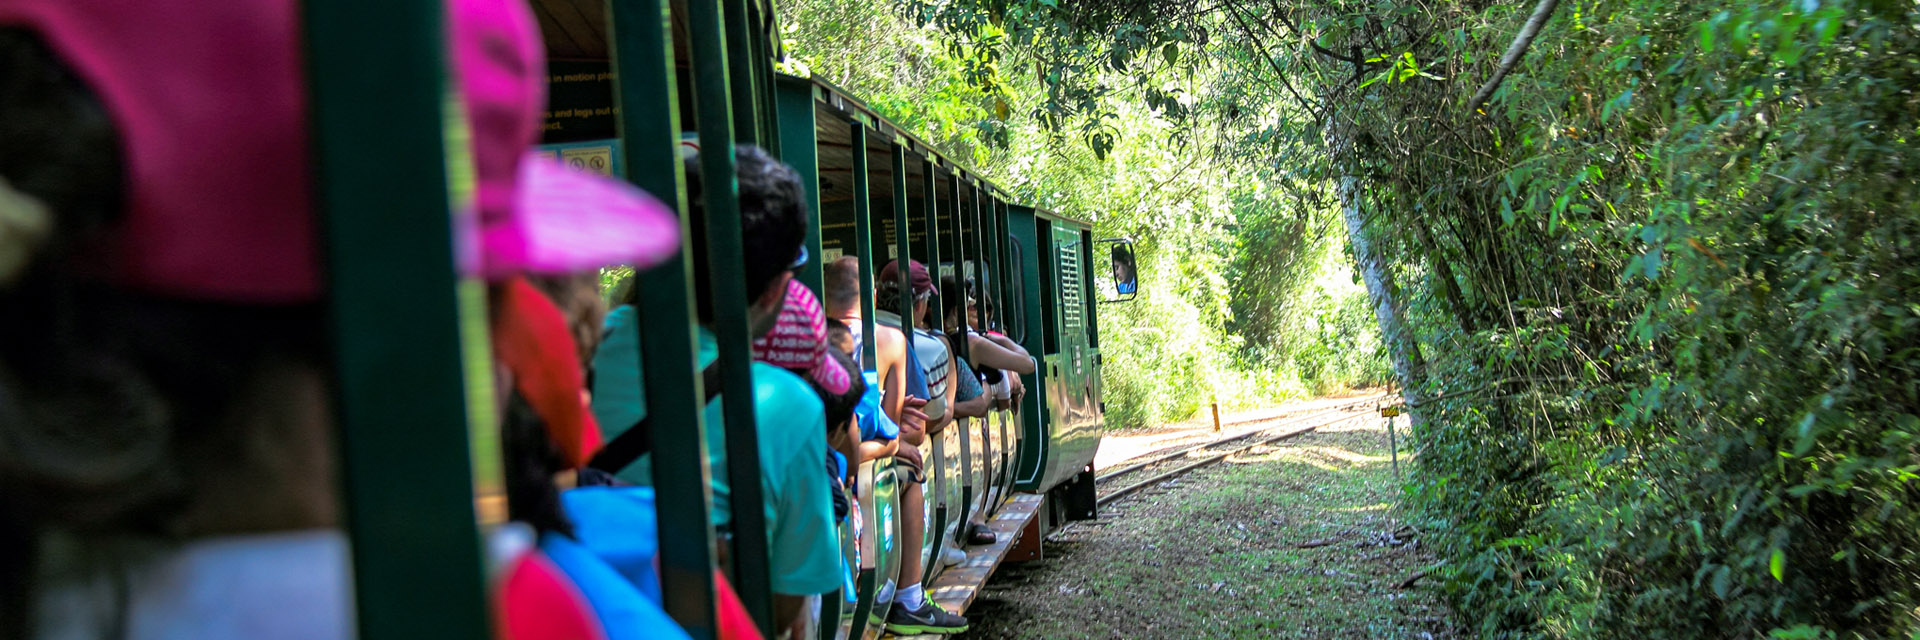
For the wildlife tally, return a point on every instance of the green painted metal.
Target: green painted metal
(647, 95)
(725, 262)
(1064, 433)
(1024, 227)
(741, 70)
(1095, 400)
(409, 334)
(880, 547)
(800, 150)
(902, 246)
(863, 237)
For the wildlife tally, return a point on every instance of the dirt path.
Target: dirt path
(1301, 540)
(1119, 447)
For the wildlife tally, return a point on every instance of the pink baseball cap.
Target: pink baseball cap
(539, 216)
(209, 100)
(799, 341)
(210, 103)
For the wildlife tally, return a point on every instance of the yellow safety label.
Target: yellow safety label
(596, 159)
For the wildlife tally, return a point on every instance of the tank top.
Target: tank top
(933, 359)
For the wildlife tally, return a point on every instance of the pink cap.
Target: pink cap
(209, 100)
(539, 216)
(799, 341)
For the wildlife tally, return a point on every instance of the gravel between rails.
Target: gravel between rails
(1298, 539)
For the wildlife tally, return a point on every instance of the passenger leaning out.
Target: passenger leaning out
(805, 558)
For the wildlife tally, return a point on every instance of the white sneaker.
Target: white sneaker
(951, 556)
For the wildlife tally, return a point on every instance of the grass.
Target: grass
(1292, 541)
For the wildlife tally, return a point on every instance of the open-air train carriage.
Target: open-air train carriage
(630, 82)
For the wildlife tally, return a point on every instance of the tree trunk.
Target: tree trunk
(1404, 352)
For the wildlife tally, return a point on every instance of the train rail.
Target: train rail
(1162, 466)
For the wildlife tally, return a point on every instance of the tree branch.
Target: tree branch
(1518, 49)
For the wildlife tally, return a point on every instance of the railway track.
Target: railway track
(1161, 466)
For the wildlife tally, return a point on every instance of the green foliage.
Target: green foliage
(1186, 196)
(1664, 283)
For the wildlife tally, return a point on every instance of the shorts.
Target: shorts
(913, 472)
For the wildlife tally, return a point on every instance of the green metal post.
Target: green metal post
(800, 151)
(929, 189)
(952, 250)
(863, 241)
(725, 262)
(741, 71)
(903, 248)
(409, 334)
(642, 52)
(999, 254)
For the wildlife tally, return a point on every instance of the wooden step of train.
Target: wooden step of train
(956, 588)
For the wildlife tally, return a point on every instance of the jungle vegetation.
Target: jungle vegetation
(1645, 270)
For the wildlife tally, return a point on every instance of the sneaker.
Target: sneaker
(930, 618)
(951, 556)
(979, 534)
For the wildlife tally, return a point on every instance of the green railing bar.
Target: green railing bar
(903, 248)
(929, 188)
(649, 105)
(863, 240)
(999, 253)
(955, 251)
(725, 262)
(741, 71)
(768, 81)
(402, 319)
(799, 149)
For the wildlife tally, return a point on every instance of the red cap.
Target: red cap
(916, 273)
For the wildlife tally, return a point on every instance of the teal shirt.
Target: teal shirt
(793, 453)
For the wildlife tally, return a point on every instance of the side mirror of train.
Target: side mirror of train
(1126, 274)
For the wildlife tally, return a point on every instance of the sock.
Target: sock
(910, 597)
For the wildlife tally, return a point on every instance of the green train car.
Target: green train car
(420, 451)
(879, 193)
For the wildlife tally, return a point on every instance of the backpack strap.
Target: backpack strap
(637, 440)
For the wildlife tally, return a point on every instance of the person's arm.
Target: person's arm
(978, 407)
(988, 353)
(847, 442)
(787, 611)
(1008, 344)
(872, 450)
(913, 425)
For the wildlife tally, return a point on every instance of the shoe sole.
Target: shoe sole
(916, 629)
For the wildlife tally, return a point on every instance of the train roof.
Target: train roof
(835, 108)
(577, 29)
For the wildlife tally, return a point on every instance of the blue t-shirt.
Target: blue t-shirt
(874, 423)
(792, 429)
(619, 526)
(623, 611)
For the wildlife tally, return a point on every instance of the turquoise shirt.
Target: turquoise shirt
(793, 453)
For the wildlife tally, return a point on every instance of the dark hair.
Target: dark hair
(531, 462)
(840, 406)
(842, 283)
(952, 297)
(887, 298)
(773, 222)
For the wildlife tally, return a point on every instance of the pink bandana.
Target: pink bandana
(799, 341)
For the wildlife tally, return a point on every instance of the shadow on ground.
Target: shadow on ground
(1299, 540)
